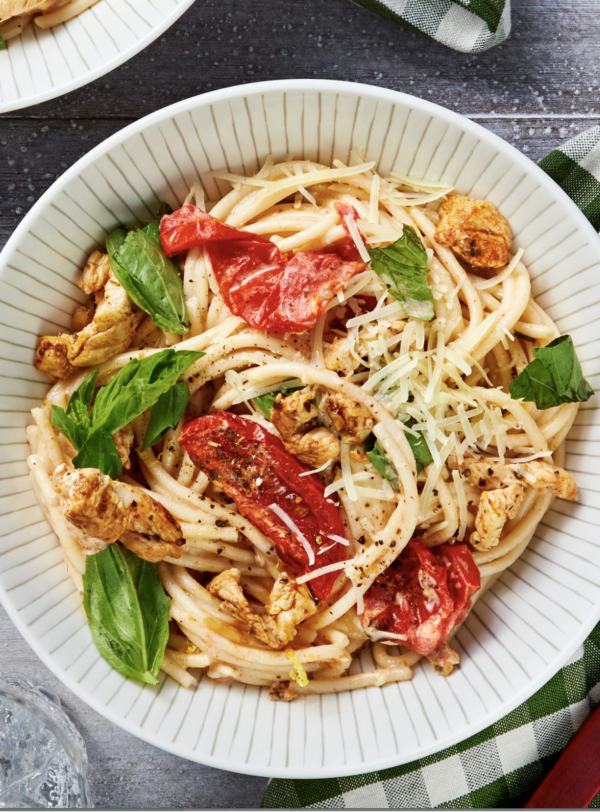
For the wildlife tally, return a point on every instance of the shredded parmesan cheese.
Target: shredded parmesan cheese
(356, 238)
(337, 565)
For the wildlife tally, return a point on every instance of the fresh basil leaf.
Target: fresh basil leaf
(524, 337)
(166, 413)
(100, 451)
(379, 459)
(2, 44)
(75, 422)
(135, 388)
(152, 280)
(553, 377)
(403, 267)
(153, 231)
(115, 240)
(382, 463)
(138, 386)
(419, 447)
(265, 402)
(128, 612)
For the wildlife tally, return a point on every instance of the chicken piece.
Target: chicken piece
(109, 333)
(124, 440)
(341, 356)
(353, 420)
(539, 475)
(443, 659)
(476, 231)
(11, 8)
(338, 356)
(289, 604)
(281, 692)
(294, 418)
(95, 274)
(52, 357)
(495, 509)
(115, 511)
(83, 315)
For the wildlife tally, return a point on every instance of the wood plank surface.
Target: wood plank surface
(536, 90)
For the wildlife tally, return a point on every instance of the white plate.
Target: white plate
(518, 635)
(43, 64)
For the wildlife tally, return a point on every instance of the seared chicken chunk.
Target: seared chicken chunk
(95, 274)
(504, 485)
(52, 356)
(443, 659)
(539, 475)
(342, 356)
(353, 421)
(294, 418)
(281, 692)
(289, 604)
(476, 231)
(339, 357)
(115, 511)
(495, 509)
(110, 332)
(124, 440)
(83, 315)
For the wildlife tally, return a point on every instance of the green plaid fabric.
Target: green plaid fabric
(465, 25)
(504, 764)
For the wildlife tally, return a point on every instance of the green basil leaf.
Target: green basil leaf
(100, 451)
(152, 280)
(128, 612)
(166, 413)
(553, 377)
(138, 386)
(379, 459)
(382, 463)
(2, 44)
(75, 422)
(403, 267)
(419, 447)
(153, 231)
(524, 337)
(265, 402)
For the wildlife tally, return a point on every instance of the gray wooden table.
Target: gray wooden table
(536, 90)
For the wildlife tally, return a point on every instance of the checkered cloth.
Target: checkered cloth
(465, 25)
(504, 764)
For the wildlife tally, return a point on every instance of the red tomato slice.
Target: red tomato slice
(348, 249)
(254, 469)
(423, 595)
(258, 283)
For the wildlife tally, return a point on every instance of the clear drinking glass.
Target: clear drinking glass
(43, 760)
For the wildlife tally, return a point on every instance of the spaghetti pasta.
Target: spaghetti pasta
(435, 395)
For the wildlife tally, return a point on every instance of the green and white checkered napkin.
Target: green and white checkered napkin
(465, 25)
(504, 764)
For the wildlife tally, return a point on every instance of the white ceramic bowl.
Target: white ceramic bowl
(43, 64)
(519, 634)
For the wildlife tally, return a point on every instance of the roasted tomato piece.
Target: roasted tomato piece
(269, 290)
(422, 596)
(254, 469)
